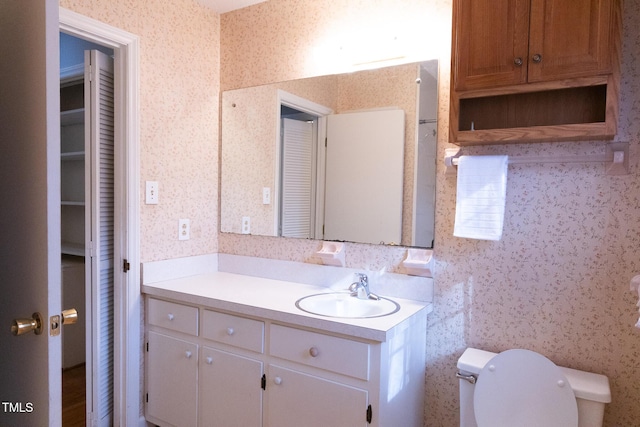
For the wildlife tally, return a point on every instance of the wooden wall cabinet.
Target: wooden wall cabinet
(534, 70)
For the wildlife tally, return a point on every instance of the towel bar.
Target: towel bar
(616, 155)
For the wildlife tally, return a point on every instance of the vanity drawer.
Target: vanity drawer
(170, 315)
(233, 330)
(334, 354)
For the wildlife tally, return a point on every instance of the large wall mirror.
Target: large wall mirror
(346, 157)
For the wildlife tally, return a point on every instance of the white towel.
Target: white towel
(481, 196)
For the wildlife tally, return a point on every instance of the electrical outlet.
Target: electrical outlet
(184, 229)
(246, 225)
(152, 195)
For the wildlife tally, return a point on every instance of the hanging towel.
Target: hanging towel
(480, 200)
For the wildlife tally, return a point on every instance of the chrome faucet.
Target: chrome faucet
(360, 288)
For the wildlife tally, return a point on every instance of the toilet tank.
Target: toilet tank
(591, 390)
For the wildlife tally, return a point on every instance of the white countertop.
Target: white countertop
(275, 300)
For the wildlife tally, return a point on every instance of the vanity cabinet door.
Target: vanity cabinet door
(172, 375)
(299, 399)
(230, 390)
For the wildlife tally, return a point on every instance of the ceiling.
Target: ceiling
(223, 6)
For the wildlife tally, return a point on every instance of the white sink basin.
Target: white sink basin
(342, 304)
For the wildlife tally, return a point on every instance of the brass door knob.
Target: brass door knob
(518, 62)
(24, 326)
(537, 58)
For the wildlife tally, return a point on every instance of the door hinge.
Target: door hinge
(325, 143)
(263, 382)
(147, 347)
(126, 266)
(147, 397)
(369, 414)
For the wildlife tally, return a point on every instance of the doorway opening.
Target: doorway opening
(119, 366)
(301, 133)
(86, 175)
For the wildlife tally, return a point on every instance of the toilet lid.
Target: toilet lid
(521, 388)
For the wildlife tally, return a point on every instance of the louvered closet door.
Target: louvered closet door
(99, 147)
(298, 179)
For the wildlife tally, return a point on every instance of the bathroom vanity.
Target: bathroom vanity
(225, 349)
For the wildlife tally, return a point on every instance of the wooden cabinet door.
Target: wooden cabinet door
(230, 392)
(490, 37)
(573, 38)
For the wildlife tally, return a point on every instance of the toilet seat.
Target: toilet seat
(521, 388)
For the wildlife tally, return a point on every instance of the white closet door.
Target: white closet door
(364, 176)
(99, 148)
(297, 180)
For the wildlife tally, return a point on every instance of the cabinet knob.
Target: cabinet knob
(314, 352)
(209, 360)
(518, 62)
(170, 316)
(187, 354)
(537, 58)
(277, 380)
(230, 331)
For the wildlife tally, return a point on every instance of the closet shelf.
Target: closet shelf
(72, 117)
(70, 248)
(72, 203)
(72, 155)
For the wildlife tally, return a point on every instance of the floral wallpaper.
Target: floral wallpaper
(556, 283)
(179, 96)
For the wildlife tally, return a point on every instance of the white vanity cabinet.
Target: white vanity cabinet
(231, 374)
(207, 375)
(309, 392)
(171, 363)
(299, 399)
(222, 368)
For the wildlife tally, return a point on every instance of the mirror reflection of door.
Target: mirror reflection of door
(364, 177)
(298, 175)
(362, 197)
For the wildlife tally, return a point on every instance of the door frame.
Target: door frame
(127, 297)
(320, 111)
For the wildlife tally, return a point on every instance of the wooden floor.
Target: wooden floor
(73, 396)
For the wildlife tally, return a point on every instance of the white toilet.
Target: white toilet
(521, 388)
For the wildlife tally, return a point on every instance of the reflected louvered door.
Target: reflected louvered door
(298, 172)
(99, 148)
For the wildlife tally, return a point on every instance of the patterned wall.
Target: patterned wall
(557, 282)
(179, 92)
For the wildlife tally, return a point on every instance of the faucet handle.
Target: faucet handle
(363, 279)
